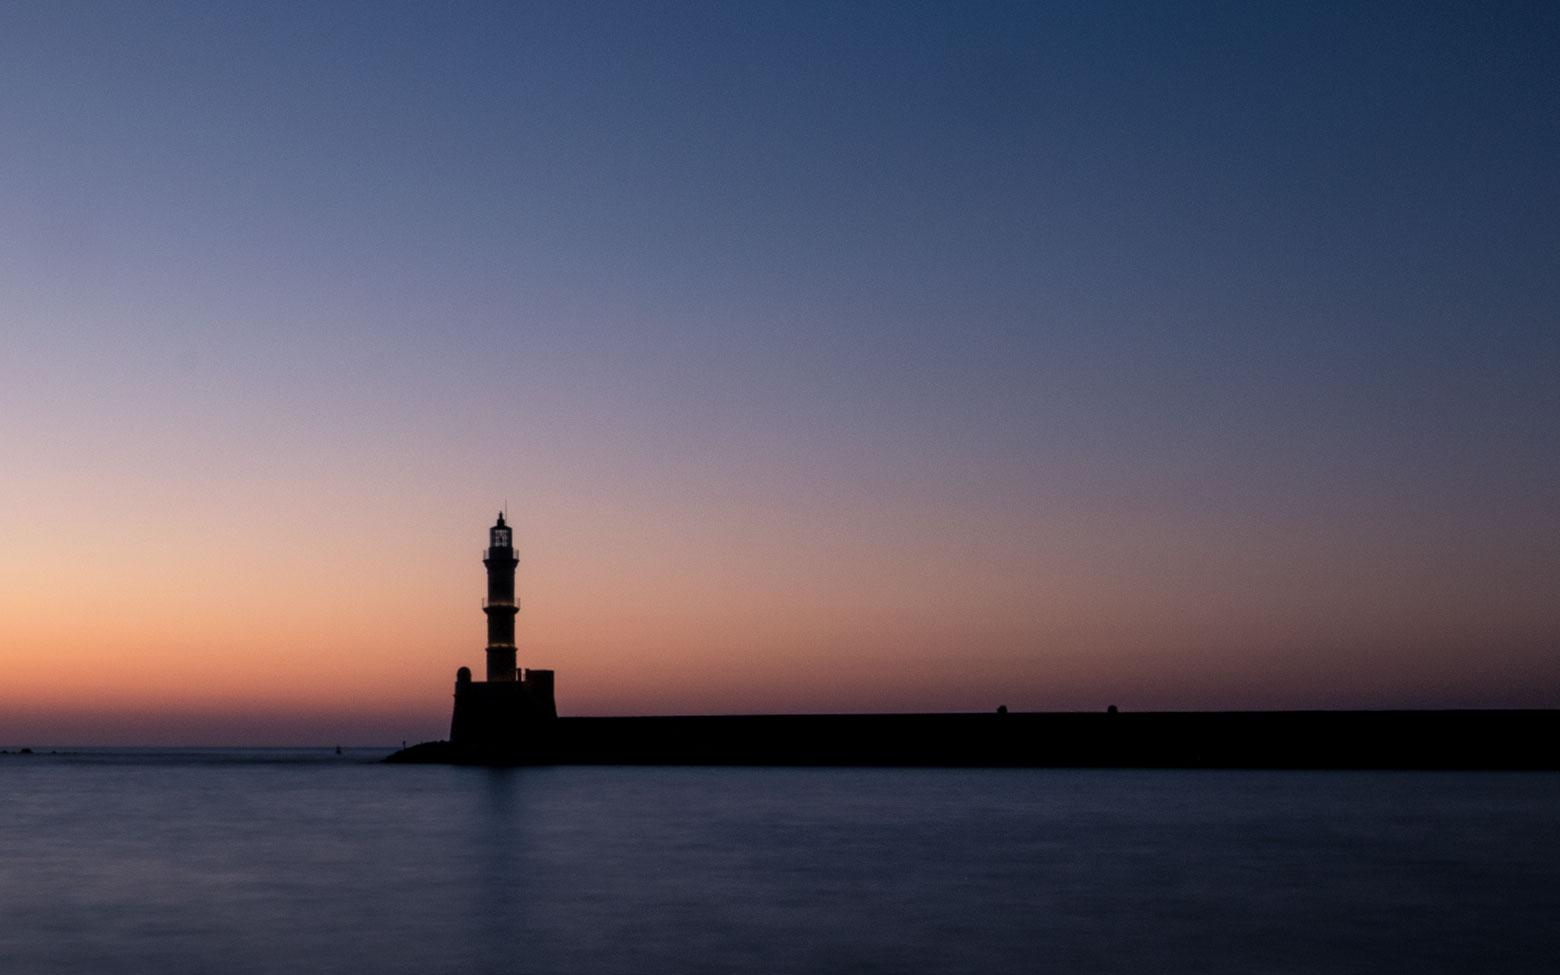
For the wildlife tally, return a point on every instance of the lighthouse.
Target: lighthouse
(506, 718)
(500, 605)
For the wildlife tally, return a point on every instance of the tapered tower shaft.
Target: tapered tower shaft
(500, 604)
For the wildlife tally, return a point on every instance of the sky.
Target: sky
(828, 357)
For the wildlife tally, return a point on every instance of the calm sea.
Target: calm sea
(297, 861)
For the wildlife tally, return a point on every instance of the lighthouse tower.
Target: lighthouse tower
(506, 718)
(500, 604)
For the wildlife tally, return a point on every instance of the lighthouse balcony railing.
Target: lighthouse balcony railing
(486, 602)
(499, 553)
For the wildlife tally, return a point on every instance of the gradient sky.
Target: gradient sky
(829, 357)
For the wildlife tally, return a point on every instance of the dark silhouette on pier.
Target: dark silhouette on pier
(512, 718)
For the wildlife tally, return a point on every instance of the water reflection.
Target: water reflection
(124, 867)
(495, 840)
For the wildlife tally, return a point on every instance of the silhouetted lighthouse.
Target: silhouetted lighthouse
(500, 604)
(506, 717)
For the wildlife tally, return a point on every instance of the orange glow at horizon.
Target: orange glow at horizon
(280, 623)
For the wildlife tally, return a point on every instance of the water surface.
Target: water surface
(293, 860)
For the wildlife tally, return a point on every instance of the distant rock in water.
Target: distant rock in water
(426, 753)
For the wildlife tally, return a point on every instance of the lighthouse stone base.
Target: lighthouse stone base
(504, 721)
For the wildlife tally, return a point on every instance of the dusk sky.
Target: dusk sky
(834, 357)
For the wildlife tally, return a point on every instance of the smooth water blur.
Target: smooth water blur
(297, 861)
